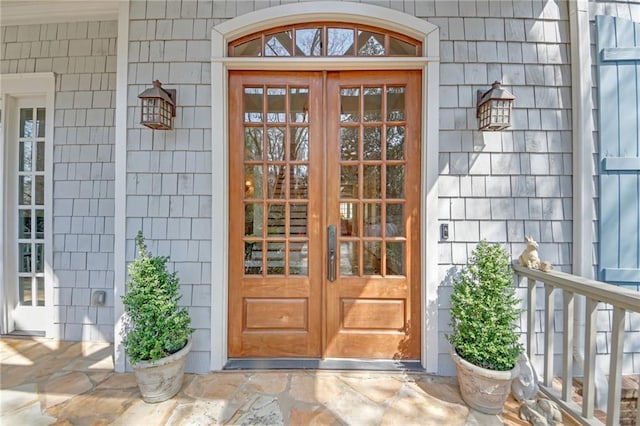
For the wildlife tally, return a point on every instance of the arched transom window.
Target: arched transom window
(325, 39)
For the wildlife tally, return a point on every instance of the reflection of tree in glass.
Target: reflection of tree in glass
(309, 42)
(395, 143)
(300, 144)
(372, 149)
(340, 42)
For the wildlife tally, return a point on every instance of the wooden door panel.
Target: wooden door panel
(275, 293)
(373, 168)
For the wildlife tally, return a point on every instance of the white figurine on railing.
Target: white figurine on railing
(530, 258)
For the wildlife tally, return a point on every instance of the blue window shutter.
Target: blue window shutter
(618, 64)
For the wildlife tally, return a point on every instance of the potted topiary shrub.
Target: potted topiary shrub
(157, 336)
(485, 344)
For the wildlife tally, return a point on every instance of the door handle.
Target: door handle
(331, 253)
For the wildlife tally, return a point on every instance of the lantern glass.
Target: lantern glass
(494, 108)
(157, 107)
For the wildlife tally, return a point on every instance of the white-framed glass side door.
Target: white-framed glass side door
(25, 188)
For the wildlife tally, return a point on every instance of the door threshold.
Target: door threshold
(323, 364)
(26, 333)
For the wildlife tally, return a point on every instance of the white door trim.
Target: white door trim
(13, 86)
(262, 19)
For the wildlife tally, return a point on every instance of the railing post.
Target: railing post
(548, 334)
(588, 388)
(567, 346)
(615, 367)
(531, 317)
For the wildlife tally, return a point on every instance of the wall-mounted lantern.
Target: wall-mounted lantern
(494, 108)
(158, 107)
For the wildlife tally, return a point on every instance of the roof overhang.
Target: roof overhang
(26, 12)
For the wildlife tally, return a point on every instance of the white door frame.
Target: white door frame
(334, 11)
(14, 86)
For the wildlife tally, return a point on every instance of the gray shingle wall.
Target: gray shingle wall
(169, 172)
(83, 58)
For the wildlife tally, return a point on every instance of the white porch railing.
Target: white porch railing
(622, 300)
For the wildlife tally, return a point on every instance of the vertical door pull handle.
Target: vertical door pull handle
(331, 253)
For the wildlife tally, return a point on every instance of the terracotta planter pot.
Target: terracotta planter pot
(482, 389)
(162, 379)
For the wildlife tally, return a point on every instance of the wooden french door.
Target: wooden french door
(324, 215)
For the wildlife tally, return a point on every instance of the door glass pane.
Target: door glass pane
(395, 142)
(299, 181)
(40, 224)
(372, 143)
(40, 290)
(253, 220)
(399, 47)
(395, 181)
(24, 190)
(276, 220)
(349, 104)
(26, 122)
(372, 182)
(299, 104)
(275, 258)
(253, 182)
(24, 223)
(253, 143)
(395, 258)
(340, 41)
(298, 258)
(275, 143)
(370, 43)
(253, 257)
(349, 143)
(349, 258)
(25, 155)
(349, 219)
(249, 48)
(40, 123)
(395, 104)
(39, 189)
(372, 104)
(299, 144)
(39, 257)
(348, 181)
(253, 109)
(309, 42)
(298, 220)
(40, 156)
(395, 220)
(25, 291)
(372, 220)
(372, 258)
(24, 257)
(279, 44)
(276, 181)
(276, 105)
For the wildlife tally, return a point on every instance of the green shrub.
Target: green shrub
(484, 310)
(156, 325)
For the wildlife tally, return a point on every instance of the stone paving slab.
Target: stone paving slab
(73, 383)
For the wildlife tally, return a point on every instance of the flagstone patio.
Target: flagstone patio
(46, 382)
